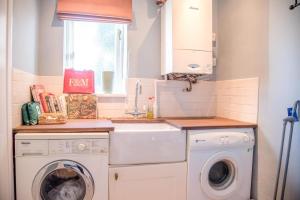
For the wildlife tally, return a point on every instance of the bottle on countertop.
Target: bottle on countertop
(150, 109)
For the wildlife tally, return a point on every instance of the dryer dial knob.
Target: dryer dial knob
(81, 147)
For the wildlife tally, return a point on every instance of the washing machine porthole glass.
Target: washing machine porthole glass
(65, 180)
(221, 175)
(63, 184)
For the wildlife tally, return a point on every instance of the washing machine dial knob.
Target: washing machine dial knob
(81, 147)
(246, 139)
(222, 140)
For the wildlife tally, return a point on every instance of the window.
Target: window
(101, 47)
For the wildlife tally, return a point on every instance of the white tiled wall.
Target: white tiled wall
(173, 102)
(238, 99)
(148, 90)
(21, 82)
(53, 84)
(107, 106)
(118, 106)
(234, 99)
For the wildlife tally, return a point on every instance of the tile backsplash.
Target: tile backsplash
(118, 106)
(21, 82)
(238, 99)
(234, 99)
(53, 84)
(108, 107)
(172, 101)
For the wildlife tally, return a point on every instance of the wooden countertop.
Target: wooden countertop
(102, 125)
(71, 126)
(209, 123)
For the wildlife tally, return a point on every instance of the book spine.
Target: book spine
(52, 103)
(47, 97)
(40, 101)
(63, 104)
(56, 104)
(44, 102)
(36, 90)
(33, 93)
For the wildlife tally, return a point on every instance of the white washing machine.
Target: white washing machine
(62, 166)
(220, 164)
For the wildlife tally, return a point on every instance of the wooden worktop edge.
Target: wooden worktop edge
(176, 122)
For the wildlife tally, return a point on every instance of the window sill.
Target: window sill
(111, 95)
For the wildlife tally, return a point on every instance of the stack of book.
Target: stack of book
(49, 102)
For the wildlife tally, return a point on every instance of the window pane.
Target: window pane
(99, 47)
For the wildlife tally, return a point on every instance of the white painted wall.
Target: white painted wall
(242, 38)
(50, 41)
(6, 169)
(261, 38)
(143, 39)
(283, 90)
(25, 35)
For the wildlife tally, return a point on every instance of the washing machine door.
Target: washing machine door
(63, 180)
(219, 176)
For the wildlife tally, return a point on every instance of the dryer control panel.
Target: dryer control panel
(221, 138)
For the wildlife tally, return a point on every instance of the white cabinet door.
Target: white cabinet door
(192, 24)
(148, 182)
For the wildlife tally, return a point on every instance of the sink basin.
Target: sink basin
(146, 143)
(143, 127)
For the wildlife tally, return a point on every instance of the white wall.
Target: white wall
(143, 40)
(261, 38)
(284, 88)
(242, 38)
(51, 40)
(25, 35)
(6, 169)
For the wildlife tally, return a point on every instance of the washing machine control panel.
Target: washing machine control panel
(81, 146)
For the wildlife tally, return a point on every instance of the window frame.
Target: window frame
(121, 61)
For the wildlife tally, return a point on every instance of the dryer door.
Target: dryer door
(63, 179)
(219, 176)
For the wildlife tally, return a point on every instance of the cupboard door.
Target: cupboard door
(148, 182)
(192, 24)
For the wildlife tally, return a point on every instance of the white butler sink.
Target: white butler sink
(145, 127)
(146, 143)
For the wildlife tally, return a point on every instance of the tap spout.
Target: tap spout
(138, 91)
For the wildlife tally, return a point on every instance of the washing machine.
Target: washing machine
(220, 164)
(61, 166)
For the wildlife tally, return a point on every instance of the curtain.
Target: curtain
(115, 11)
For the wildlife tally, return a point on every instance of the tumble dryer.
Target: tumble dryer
(220, 164)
